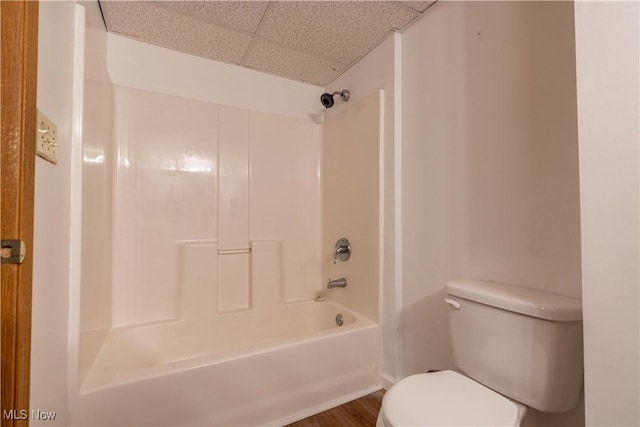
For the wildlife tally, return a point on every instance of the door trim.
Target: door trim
(18, 78)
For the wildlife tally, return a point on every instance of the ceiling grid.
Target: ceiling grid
(309, 41)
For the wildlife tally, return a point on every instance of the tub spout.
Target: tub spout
(338, 283)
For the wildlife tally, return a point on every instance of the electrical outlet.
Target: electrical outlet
(46, 138)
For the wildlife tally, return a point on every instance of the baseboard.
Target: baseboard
(387, 381)
(324, 407)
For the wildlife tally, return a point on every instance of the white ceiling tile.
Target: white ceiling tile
(243, 15)
(146, 22)
(338, 30)
(312, 41)
(420, 6)
(274, 59)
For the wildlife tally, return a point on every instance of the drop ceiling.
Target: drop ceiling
(309, 41)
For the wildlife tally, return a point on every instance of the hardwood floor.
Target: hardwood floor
(361, 412)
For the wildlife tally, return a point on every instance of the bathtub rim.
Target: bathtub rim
(359, 324)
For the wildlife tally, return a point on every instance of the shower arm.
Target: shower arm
(344, 94)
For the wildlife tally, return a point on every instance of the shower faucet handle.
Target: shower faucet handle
(342, 250)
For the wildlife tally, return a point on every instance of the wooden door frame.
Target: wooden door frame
(18, 78)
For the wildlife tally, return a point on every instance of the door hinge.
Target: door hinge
(12, 251)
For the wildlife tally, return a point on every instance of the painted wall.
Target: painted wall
(607, 35)
(51, 219)
(378, 70)
(489, 162)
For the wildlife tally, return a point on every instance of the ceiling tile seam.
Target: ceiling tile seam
(430, 6)
(418, 14)
(417, 18)
(237, 64)
(294, 49)
(406, 7)
(259, 36)
(409, 24)
(255, 37)
(188, 15)
(253, 42)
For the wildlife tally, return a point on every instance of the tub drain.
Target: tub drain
(339, 319)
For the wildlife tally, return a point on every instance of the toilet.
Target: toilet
(513, 348)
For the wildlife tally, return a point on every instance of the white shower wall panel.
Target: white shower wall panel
(165, 179)
(233, 187)
(197, 179)
(97, 164)
(285, 197)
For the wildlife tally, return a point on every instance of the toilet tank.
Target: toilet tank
(523, 343)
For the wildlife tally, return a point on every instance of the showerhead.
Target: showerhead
(327, 98)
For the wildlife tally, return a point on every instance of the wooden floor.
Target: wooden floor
(361, 412)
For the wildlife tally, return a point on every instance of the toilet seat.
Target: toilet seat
(446, 398)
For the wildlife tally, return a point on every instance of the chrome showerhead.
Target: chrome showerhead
(327, 98)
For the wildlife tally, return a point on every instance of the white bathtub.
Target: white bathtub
(247, 368)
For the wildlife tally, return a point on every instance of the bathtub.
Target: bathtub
(247, 368)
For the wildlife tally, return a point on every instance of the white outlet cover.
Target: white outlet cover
(46, 138)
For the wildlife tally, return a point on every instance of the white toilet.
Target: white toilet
(514, 347)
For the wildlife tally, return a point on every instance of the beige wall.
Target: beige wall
(350, 203)
(607, 47)
(489, 161)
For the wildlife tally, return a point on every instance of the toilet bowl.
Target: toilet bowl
(446, 398)
(516, 347)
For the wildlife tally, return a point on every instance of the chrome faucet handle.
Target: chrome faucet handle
(342, 250)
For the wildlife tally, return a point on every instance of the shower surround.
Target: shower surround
(194, 182)
(202, 249)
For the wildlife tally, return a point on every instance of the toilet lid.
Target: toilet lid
(446, 398)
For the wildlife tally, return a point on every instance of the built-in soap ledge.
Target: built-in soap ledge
(234, 251)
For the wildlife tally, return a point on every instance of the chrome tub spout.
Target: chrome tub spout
(338, 283)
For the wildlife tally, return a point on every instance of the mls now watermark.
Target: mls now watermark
(23, 414)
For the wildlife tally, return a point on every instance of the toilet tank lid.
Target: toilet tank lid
(530, 302)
